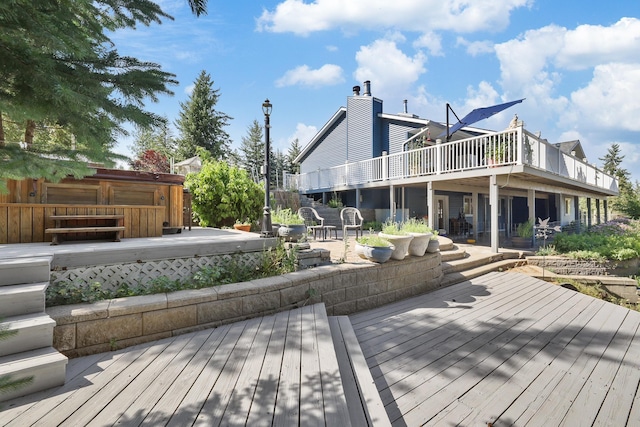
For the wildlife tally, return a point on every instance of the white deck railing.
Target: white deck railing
(511, 147)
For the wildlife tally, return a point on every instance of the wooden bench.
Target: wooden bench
(88, 224)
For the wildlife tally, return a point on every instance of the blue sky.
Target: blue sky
(577, 63)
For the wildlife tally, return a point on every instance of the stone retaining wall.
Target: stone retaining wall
(569, 266)
(344, 288)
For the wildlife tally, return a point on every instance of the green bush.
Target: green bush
(614, 240)
(272, 262)
(222, 193)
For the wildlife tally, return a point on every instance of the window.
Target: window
(467, 205)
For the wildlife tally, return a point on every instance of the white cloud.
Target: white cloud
(590, 45)
(476, 48)
(189, 89)
(389, 69)
(302, 18)
(327, 75)
(431, 41)
(303, 133)
(610, 100)
(332, 48)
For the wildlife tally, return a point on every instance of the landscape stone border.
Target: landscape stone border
(346, 288)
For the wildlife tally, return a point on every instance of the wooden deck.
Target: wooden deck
(275, 370)
(507, 349)
(503, 348)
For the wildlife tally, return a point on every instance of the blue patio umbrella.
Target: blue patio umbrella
(475, 116)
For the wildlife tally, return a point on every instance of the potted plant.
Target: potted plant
(292, 228)
(242, 225)
(495, 152)
(399, 238)
(421, 233)
(524, 238)
(374, 248)
(434, 243)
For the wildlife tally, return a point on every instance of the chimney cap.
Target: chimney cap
(356, 90)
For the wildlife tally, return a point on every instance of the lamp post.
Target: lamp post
(267, 229)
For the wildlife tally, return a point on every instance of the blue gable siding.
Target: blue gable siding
(362, 113)
(329, 151)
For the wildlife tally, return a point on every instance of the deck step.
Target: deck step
(453, 277)
(24, 270)
(22, 299)
(365, 405)
(46, 365)
(33, 331)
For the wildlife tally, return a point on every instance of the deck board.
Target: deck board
(515, 351)
(269, 370)
(503, 348)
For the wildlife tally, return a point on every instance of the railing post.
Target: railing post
(385, 166)
(520, 145)
(438, 156)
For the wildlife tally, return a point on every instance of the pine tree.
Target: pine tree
(200, 124)
(294, 151)
(252, 151)
(68, 73)
(157, 138)
(628, 199)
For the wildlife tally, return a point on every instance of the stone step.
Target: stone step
(22, 299)
(45, 365)
(33, 331)
(24, 270)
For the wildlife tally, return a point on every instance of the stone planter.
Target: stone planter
(419, 243)
(377, 254)
(292, 232)
(401, 243)
(434, 246)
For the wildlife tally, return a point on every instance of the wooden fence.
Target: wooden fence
(26, 222)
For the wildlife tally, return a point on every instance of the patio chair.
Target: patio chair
(351, 220)
(313, 221)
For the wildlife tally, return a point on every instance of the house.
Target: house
(477, 182)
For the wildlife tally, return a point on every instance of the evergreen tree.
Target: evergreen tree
(68, 73)
(252, 151)
(628, 200)
(200, 124)
(157, 138)
(294, 151)
(278, 165)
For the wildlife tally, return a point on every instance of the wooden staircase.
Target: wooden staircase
(29, 353)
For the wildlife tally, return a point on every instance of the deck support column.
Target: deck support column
(588, 212)
(576, 213)
(392, 203)
(431, 209)
(493, 201)
(531, 204)
(358, 198)
(606, 210)
(474, 206)
(598, 211)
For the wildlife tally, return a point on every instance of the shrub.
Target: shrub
(392, 228)
(525, 229)
(372, 225)
(373, 240)
(222, 193)
(285, 217)
(415, 225)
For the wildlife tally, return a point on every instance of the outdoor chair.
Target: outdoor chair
(313, 221)
(351, 220)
